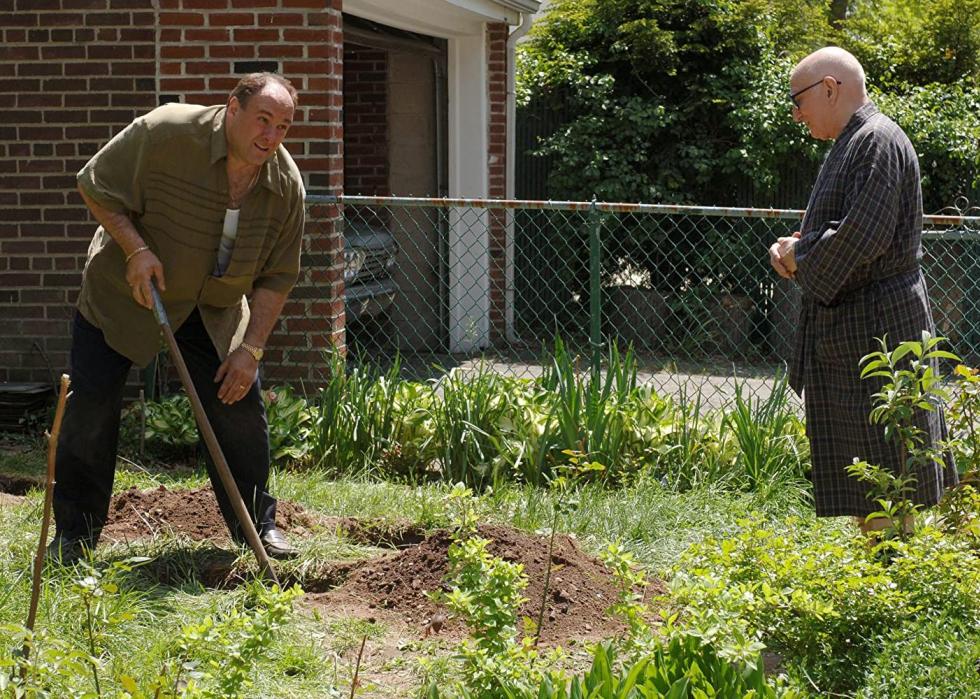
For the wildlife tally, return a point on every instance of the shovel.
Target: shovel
(203, 424)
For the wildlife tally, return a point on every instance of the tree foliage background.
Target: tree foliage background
(684, 101)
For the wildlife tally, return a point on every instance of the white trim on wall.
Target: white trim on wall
(469, 256)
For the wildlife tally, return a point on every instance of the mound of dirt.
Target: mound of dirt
(580, 591)
(138, 514)
(392, 586)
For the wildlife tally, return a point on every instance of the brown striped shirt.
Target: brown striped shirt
(167, 171)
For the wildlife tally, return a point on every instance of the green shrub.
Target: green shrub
(170, 431)
(927, 659)
(683, 668)
(290, 421)
(943, 122)
(824, 605)
(915, 41)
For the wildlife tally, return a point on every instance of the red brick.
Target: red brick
(208, 35)
(37, 295)
(101, 19)
(39, 69)
(231, 19)
(99, 51)
(21, 312)
(18, 19)
(281, 51)
(181, 19)
(206, 68)
(306, 36)
(19, 279)
(223, 85)
(280, 19)
(181, 52)
(135, 68)
(19, 53)
(137, 36)
(181, 84)
(231, 51)
(256, 35)
(39, 100)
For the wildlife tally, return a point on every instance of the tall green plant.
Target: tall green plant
(911, 388)
(486, 592)
(770, 439)
(355, 418)
(696, 450)
(466, 415)
(592, 409)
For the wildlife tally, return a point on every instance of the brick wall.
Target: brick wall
(365, 121)
(75, 72)
(72, 73)
(205, 45)
(497, 173)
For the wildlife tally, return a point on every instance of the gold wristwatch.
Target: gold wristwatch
(256, 352)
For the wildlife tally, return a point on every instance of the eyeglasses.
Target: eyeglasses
(794, 95)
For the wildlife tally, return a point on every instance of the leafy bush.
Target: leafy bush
(943, 122)
(679, 101)
(170, 431)
(217, 655)
(486, 592)
(927, 659)
(683, 668)
(290, 421)
(915, 42)
(772, 445)
(823, 605)
(481, 428)
(356, 419)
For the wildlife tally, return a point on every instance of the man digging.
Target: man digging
(207, 204)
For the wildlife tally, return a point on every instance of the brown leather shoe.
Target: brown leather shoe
(276, 545)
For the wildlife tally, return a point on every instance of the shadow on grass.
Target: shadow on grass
(204, 567)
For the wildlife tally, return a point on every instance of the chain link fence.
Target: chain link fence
(449, 282)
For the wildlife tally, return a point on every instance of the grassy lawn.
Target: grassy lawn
(313, 654)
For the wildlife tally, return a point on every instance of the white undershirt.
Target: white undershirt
(228, 232)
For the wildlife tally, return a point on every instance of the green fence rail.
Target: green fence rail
(444, 282)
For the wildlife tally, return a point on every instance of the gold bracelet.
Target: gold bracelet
(136, 252)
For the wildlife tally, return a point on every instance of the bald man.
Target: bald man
(856, 261)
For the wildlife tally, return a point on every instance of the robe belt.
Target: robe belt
(876, 279)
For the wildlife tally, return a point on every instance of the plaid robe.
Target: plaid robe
(858, 268)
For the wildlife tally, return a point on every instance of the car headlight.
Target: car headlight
(353, 261)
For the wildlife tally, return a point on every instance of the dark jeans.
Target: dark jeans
(86, 456)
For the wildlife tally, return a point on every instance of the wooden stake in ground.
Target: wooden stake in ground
(59, 413)
(207, 432)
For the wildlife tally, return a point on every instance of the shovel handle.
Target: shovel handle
(211, 440)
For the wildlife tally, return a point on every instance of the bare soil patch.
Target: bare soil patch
(139, 514)
(18, 485)
(392, 587)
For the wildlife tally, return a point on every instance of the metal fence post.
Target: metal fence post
(595, 285)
